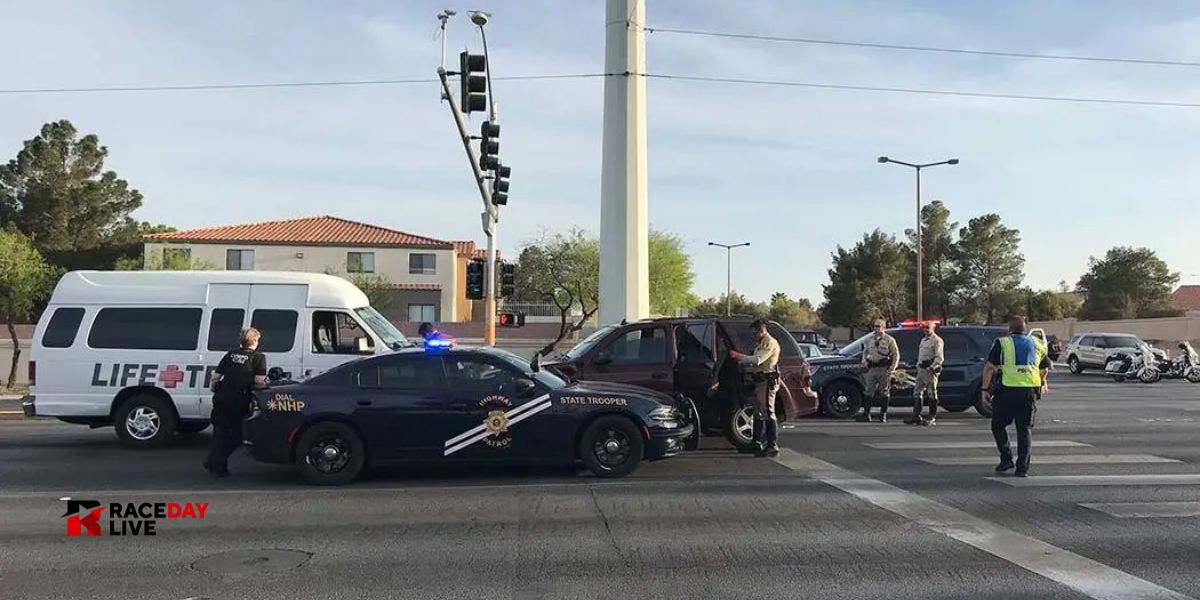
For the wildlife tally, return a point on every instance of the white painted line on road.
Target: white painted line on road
(1085, 575)
(980, 444)
(1053, 459)
(1147, 510)
(1087, 480)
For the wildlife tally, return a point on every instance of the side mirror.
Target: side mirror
(277, 374)
(524, 387)
(602, 359)
(363, 345)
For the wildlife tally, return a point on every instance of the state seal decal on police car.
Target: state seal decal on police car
(496, 422)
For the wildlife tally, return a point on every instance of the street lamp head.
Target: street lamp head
(480, 17)
(711, 244)
(883, 159)
(953, 161)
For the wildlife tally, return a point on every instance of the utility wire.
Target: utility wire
(795, 40)
(282, 84)
(867, 88)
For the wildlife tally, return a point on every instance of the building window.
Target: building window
(177, 259)
(422, 264)
(421, 313)
(360, 262)
(239, 260)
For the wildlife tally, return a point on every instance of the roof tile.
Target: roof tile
(1187, 297)
(323, 230)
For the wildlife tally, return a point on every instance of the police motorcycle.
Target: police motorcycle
(1185, 365)
(1142, 366)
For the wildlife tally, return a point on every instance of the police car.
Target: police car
(440, 402)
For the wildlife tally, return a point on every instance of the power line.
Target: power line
(868, 88)
(270, 85)
(794, 40)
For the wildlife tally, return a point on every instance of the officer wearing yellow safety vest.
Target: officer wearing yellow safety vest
(1023, 366)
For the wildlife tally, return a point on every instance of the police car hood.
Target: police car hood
(831, 359)
(620, 390)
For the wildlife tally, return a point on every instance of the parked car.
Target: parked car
(809, 336)
(838, 377)
(1091, 350)
(690, 356)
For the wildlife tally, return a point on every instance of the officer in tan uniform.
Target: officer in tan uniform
(763, 369)
(930, 356)
(880, 358)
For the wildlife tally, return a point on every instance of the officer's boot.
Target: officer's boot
(865, 417)
(933, 406)
(915, 418)
(883, 408)
(770, 440)
(756, 441)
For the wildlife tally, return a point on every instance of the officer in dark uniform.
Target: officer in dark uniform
(238, 373)
(1023, 367)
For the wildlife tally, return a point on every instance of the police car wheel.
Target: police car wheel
(330, 453)
(841, 400)
(983, 409)
(739, 427)
(144, 422)
(611, 447)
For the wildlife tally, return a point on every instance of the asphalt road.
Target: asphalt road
(849, 511)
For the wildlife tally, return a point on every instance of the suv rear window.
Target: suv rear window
(63, 326)
(1122, 341)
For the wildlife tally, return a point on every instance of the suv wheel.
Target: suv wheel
(739, 427)
(841, 400)
(1073, 364)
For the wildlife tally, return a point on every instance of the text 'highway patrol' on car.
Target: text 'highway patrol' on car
(439, 402)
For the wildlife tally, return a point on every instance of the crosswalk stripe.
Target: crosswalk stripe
(1053, 459)
(1088, 480)
(1147, 510)
(979, 444)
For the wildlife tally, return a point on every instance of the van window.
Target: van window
(60, 332)
(146, 328)
(278, 329)
(225, 328)
(337, 333)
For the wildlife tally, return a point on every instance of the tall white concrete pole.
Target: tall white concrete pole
(624, 222)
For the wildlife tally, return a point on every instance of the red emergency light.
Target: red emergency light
(914, 324)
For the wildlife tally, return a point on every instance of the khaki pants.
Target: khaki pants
(879, 382)
(926, 392)
(764, 399)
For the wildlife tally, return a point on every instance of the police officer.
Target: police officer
(426, 331)
(930, 356)
(763, 369)
(1023, 366)
(238, 372)
(880, 358)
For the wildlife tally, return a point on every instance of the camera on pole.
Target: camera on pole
(473, 82)
(475, 270)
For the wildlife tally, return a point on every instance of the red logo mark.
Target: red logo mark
(78, 522)
(171, 376)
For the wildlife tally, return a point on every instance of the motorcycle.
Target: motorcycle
(1185, 365)
(1125, 365)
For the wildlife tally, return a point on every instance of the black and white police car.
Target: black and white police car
(440, 402)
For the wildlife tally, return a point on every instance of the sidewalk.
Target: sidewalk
(10, 407)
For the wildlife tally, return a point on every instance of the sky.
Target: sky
(792, 170)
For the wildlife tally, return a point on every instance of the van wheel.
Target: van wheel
(611, 447)
(330, 453)
(841, 400)
(738, 424)
(145, 421)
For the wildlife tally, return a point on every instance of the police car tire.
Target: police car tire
(594, 430)
(348, 473)
(984, 411)
(853, 398)
(167, 422)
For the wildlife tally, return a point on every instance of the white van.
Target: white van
(136, 349)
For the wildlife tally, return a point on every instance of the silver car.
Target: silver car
(1091, 350)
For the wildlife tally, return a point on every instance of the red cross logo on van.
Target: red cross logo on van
(171, 376)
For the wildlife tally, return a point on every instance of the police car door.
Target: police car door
(492, 413)
(398, 402)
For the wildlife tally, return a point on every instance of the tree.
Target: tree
(671, 275)
(165, 261)
(57, 193)
(1044, 305)
(943, 280)
(1127, 283)
(989, 257)
(26, 279)
(562, 269)
(738, 305)
(791, 313)
(868, 281)
(380, 292)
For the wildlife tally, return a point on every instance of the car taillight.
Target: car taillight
(32, 373)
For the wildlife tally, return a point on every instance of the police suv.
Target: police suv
(442, 403)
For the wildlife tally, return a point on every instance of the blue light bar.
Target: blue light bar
(438, 344)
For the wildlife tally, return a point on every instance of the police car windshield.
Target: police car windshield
(383, 328)
(582, 347)
(542, 376)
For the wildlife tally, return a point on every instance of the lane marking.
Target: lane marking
(1080, 573)
(1053, 459)
(954, 445)
(1086, 480)
(1146, 510)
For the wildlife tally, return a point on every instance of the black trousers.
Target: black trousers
(1014, 406)
(227, 433)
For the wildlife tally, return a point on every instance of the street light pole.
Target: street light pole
(729, 273)
(920, 238)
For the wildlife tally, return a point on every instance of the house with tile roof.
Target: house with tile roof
(1187, 299)
(427, 276)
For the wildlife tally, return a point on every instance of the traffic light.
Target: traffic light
(489, 146)
(475, 270)
(472, 81)
(508, 279)
(500, 185)
(511, 319)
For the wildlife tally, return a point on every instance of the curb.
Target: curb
(11, 415)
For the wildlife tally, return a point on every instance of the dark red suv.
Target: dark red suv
(690, 356)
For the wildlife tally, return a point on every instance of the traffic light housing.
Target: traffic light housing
(472, 82)
(500, 185)
(475, 271)
(510, 319)
(508, 280)
(489, 146)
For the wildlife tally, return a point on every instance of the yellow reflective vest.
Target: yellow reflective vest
(1020, 358)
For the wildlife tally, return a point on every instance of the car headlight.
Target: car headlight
(666, 417)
